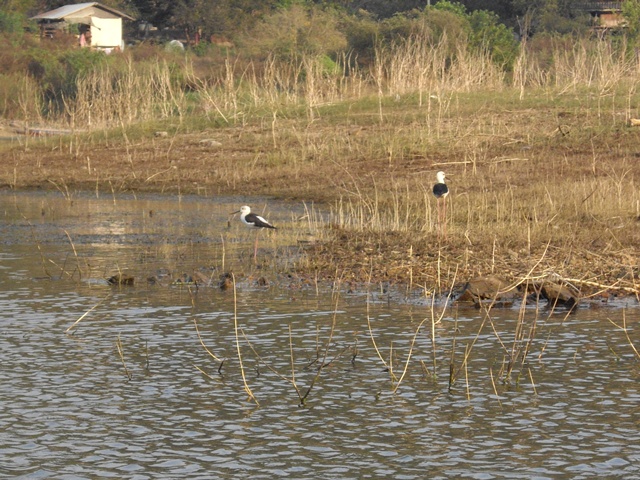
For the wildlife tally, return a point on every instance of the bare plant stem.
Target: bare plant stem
(495, 390)
(87, 313)
(387, 365)
(247, 389)
(326, 352)
(75, 253)
(121, 354)
(623, 327)
(220, 360)
(415, 335)
(533, 384)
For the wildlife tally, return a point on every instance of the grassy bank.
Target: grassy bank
(543, 170)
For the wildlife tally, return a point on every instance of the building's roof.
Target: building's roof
(74, 11)
(599, 6)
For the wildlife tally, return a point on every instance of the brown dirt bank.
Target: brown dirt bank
(439, 266)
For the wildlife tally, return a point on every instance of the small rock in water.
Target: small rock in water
(490, 288)
(226, 281)
(559, 295)
(121, 279)
(183, 279)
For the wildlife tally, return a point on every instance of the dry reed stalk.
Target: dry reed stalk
(293, 366)
(64, 191)
(415, 335)
(321, 358)
(87, 313)
(106, 98)
(468, 348)
(121, 355)
(544, 346)
(601, 286)
(434, 322)
(271, 368)
(42, 257)
(219, 360)
(532, 333)
(203, 372)
(324, 363)
(388, 365)
(247, 389)
(466, 381)
(75, 253)
(517, 348)
(495, 390)
(533, 385)
(43, 261)
(452, 369)
(623, 327)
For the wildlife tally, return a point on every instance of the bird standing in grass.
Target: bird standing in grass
(253, 220)
(440, 191)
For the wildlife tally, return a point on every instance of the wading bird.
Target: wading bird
(253, 220)
(440, 191)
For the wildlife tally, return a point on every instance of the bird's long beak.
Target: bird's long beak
(233, 213)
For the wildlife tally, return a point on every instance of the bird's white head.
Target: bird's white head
(245, 210)
(440, 176)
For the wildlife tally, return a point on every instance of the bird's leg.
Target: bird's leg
(444, 217)
(255, 248)
(438, 215)
(439, 204)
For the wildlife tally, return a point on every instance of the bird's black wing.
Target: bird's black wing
(440, 190)
(258, 221)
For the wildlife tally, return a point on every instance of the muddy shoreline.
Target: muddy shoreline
(405, 271)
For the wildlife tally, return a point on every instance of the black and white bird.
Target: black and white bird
(251, 219)
(440, 191)
(254, 221)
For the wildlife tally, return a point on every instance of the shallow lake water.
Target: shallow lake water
(102, 381)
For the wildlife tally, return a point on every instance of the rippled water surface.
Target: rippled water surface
(101, 381)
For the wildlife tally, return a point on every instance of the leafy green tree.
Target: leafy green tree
(225, 17)
(453, 7)
(17, 6)
(505, 9)
(298, 29)
(487, 33)
(484, 31)
(156, 12)
(631, 13)
(379, 9)
(553, 16)
(11, 23)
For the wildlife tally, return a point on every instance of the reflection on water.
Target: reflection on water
(69, 410)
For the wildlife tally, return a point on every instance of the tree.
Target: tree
(487, 33)
(299, 29)
(226, 17)
(484, 31)
(631, 13)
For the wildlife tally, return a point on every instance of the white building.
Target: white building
(99, 26)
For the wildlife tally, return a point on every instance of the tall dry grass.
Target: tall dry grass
(106, 98)
(139, 92)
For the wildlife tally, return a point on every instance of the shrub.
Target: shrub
(296, 30)
(487, 33)
(11, 22)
